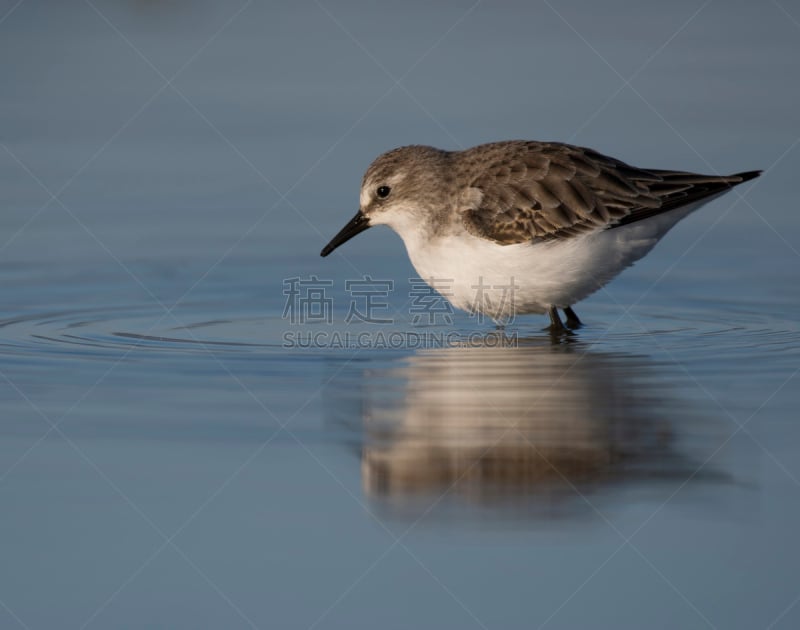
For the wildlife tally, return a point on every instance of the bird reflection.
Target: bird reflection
(525, 427)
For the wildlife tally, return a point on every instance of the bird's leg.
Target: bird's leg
(555, 321)
(499, 330)
(573, 321)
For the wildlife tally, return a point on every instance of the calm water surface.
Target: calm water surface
(167, 461)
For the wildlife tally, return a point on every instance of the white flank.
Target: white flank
(505, 280)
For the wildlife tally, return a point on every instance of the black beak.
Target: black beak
(356, 225)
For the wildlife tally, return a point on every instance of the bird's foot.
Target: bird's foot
(556, 325)
(573, 321)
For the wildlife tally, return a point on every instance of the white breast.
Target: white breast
(476, 274)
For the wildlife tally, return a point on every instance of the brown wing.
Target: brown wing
(532, 191)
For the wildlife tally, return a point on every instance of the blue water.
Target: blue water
(170, 456)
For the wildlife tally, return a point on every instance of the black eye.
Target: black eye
(383, 191)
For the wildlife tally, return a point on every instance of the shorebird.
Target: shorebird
(517, 227)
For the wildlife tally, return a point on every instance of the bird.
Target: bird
(517, 227)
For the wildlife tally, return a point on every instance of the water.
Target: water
(167, 461)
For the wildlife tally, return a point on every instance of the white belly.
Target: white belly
(506, 280)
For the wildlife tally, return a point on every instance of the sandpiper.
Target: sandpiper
(555, 222)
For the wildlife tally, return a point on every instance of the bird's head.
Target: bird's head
(401, 189)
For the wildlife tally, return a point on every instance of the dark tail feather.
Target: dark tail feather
(747, 176)
(676, 189)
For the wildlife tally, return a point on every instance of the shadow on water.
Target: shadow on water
(544, 430)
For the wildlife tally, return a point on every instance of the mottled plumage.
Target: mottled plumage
(536, 191)
(541, 213)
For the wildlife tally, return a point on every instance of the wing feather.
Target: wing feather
(533, 191)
